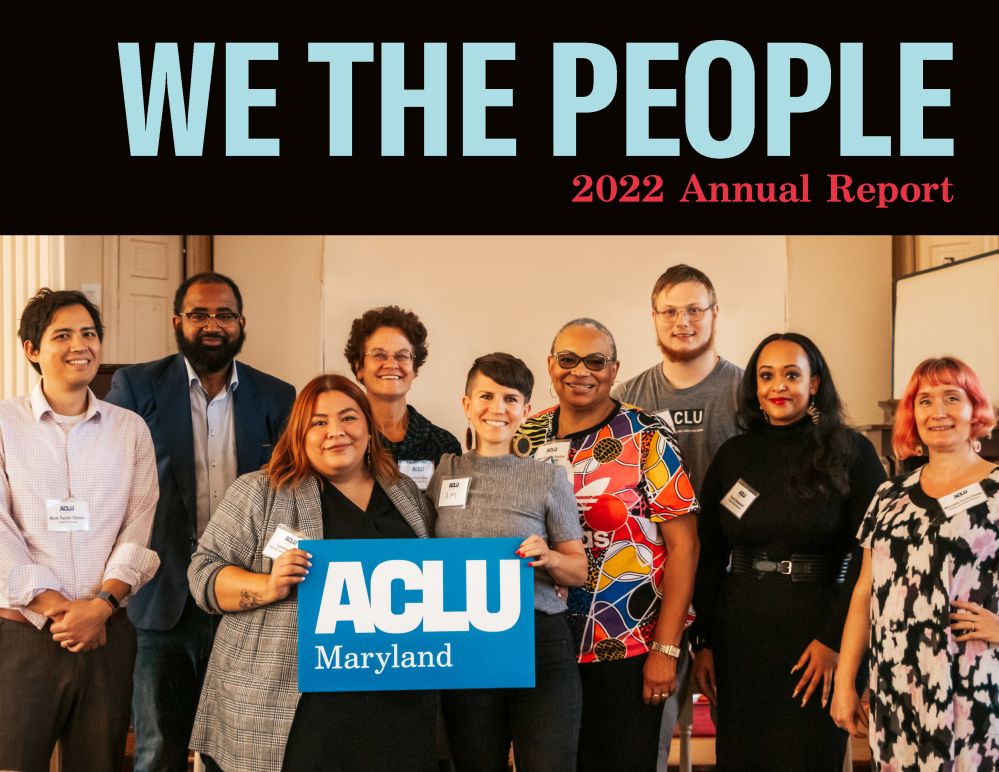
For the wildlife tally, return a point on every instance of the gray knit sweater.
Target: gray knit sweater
(509, 496)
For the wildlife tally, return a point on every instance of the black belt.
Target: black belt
(801, 568)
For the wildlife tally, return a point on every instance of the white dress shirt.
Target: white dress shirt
(214, 443)
(106, 460)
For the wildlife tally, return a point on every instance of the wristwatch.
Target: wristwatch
(669, 651)
(110, 598)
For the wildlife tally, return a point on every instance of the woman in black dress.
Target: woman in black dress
(782, 502)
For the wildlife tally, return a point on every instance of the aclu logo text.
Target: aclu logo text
(369, 609)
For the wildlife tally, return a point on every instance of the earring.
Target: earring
(812, 410)
(367, 455)
(469, 436)
(765, 416)
(977, 446)
(550, 391)
(521, 445)
(919, 449)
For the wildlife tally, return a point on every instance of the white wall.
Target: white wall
(512, 293)
(839, 295)
(280, 278)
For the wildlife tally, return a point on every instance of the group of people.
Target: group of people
(697, 507)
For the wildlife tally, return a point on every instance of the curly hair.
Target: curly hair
(370, 321)
(947, 370)
(289, 464)
(825, 464)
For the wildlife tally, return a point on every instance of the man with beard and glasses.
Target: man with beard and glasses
(694, 390)
(212, 419)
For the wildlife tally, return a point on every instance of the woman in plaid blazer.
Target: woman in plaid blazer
(326, 480)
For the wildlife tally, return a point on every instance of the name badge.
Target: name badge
(419, 472)
(454, 492)
(284, 538)
(958, 501)
(67, 515)
(556, 453)
(738, 499)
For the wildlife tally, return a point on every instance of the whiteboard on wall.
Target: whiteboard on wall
(952, 310)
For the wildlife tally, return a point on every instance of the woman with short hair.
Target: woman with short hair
(326, 480)
(386, 349)
(780, 503)
(510, 495)
(928, 591)
(635, 504)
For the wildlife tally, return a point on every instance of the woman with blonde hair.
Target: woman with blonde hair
(327, 479)
(928, 591)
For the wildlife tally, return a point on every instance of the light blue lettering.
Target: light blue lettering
(780, 103)
(432, 98)
(743, 99)
(341, 57)
(475, 98)
(239, 98)
(565, 104)
(913, 98)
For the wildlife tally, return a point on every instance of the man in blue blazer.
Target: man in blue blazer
(211, 419)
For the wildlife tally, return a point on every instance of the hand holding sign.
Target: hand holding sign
(537, 548)
(289, 569)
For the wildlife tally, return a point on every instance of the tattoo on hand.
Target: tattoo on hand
(248, 600)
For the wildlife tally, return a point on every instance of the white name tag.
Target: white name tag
(454, 492)
(419, 472)
(738, 499)
(958, 501)
(67, 515)
(285, 538)
(556, 453)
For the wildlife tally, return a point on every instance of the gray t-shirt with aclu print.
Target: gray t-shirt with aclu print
(703, 415)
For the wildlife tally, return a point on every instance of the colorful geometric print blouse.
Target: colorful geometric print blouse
(628, 477)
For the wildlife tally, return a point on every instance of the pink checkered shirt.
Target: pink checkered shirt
(110, 462)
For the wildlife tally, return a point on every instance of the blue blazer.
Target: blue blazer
(160, 392)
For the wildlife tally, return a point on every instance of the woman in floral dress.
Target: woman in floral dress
(927, 594)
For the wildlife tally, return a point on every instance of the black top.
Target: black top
(779, 522)
(343, 519)
(423, 441)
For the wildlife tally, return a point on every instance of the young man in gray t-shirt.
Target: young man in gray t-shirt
(696, 391)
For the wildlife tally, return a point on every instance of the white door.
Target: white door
(934, 251)
(150, 268)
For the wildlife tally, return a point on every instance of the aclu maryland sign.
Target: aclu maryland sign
(389, 614)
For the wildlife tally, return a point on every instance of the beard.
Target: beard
(678, 356)
(209, 359)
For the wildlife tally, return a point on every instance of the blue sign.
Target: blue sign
(390, 614)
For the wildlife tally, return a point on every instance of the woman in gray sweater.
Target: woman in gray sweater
(508, 495)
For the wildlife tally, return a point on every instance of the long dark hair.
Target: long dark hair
(825, 464)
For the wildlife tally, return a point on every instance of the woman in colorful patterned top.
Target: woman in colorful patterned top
(928, 591)
(632, 493)
(386, 349)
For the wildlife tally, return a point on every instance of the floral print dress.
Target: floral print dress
(934, 700)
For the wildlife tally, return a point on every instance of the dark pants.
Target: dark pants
(619, 731)
(542, 722)
(169, 672)
(48, 693)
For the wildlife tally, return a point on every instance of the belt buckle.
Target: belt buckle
(789, 566)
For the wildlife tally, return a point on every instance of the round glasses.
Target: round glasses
(592, 362)
(693, 313)
(381, 357)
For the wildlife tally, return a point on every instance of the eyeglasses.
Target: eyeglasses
(223, 319)
(593, 362)
(693, 313)
(381, 357)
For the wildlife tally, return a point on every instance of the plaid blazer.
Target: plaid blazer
(251, 688)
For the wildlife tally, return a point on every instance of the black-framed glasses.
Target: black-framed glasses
(693, 313)
(593, 362)
(381, 357)
(223, 319)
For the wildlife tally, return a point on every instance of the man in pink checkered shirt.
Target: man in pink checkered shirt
(78, 490)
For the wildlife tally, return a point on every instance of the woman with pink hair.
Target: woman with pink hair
(928, 591)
